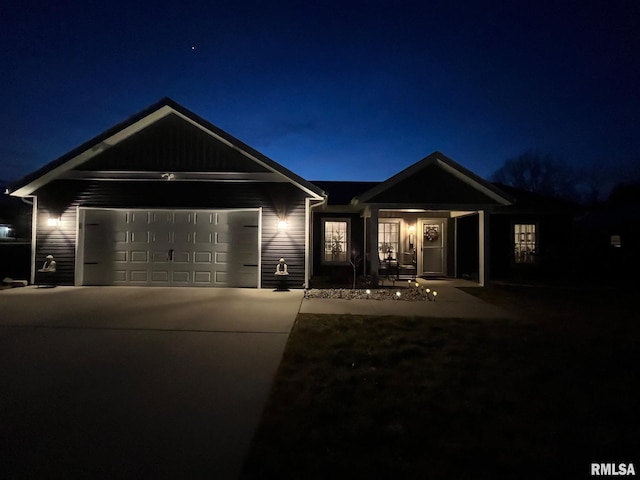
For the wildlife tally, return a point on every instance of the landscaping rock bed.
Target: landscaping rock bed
(406, 294)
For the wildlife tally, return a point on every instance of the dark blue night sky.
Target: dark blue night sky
(332, 90)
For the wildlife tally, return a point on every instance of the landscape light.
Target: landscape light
(398, 294)
(427, 290)
(417, 284)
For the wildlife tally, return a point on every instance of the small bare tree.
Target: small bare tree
(354, 259)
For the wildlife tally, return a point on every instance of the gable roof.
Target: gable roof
(526, 201)
(342, 192)
(134, 124)
(444, 166)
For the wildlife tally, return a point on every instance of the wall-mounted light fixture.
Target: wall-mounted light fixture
(282, 225)
(53, 221)
(412, 231)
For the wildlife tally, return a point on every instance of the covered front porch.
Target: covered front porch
(406, 243)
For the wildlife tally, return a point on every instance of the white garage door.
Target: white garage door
(169, 247)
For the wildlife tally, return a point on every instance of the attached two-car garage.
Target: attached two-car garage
(168, 247)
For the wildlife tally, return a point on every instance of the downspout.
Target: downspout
(307, 236)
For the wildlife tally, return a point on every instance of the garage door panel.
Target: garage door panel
(135, 218)
(203, 238)
(181, 257)
(183, 238)
(203, 257)
(120, 275)
(139, 256)
(160, 276)
(181, 277)
(139, 276)
(204, 219)
(182, 218)
(162, 247)
(160, 256)
(160, 238)
(202, 278)
(140, 237)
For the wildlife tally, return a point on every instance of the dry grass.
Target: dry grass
(394, 397)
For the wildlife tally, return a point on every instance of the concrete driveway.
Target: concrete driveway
(125, 382)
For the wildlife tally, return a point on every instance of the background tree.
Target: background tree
(539, 173)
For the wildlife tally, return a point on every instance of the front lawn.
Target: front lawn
(393, 397)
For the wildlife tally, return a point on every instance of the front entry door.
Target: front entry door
(433, 255)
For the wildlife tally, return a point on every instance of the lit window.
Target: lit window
(388, 240)
(336, 241)
(525, 243)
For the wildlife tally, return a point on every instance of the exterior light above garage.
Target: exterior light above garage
(282, 225)
(53, 221)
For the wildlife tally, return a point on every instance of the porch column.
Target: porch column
(484, 247)
(364, 246)
(373, 241)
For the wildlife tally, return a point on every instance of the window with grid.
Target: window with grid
(388, 240)
(336, 240)
(525, 242)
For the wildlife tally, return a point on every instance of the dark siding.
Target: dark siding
(59, 241)
(336, 273)
(468, 258)
(175, 145)
(554, 242)
(280, 200)
(432, 185)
